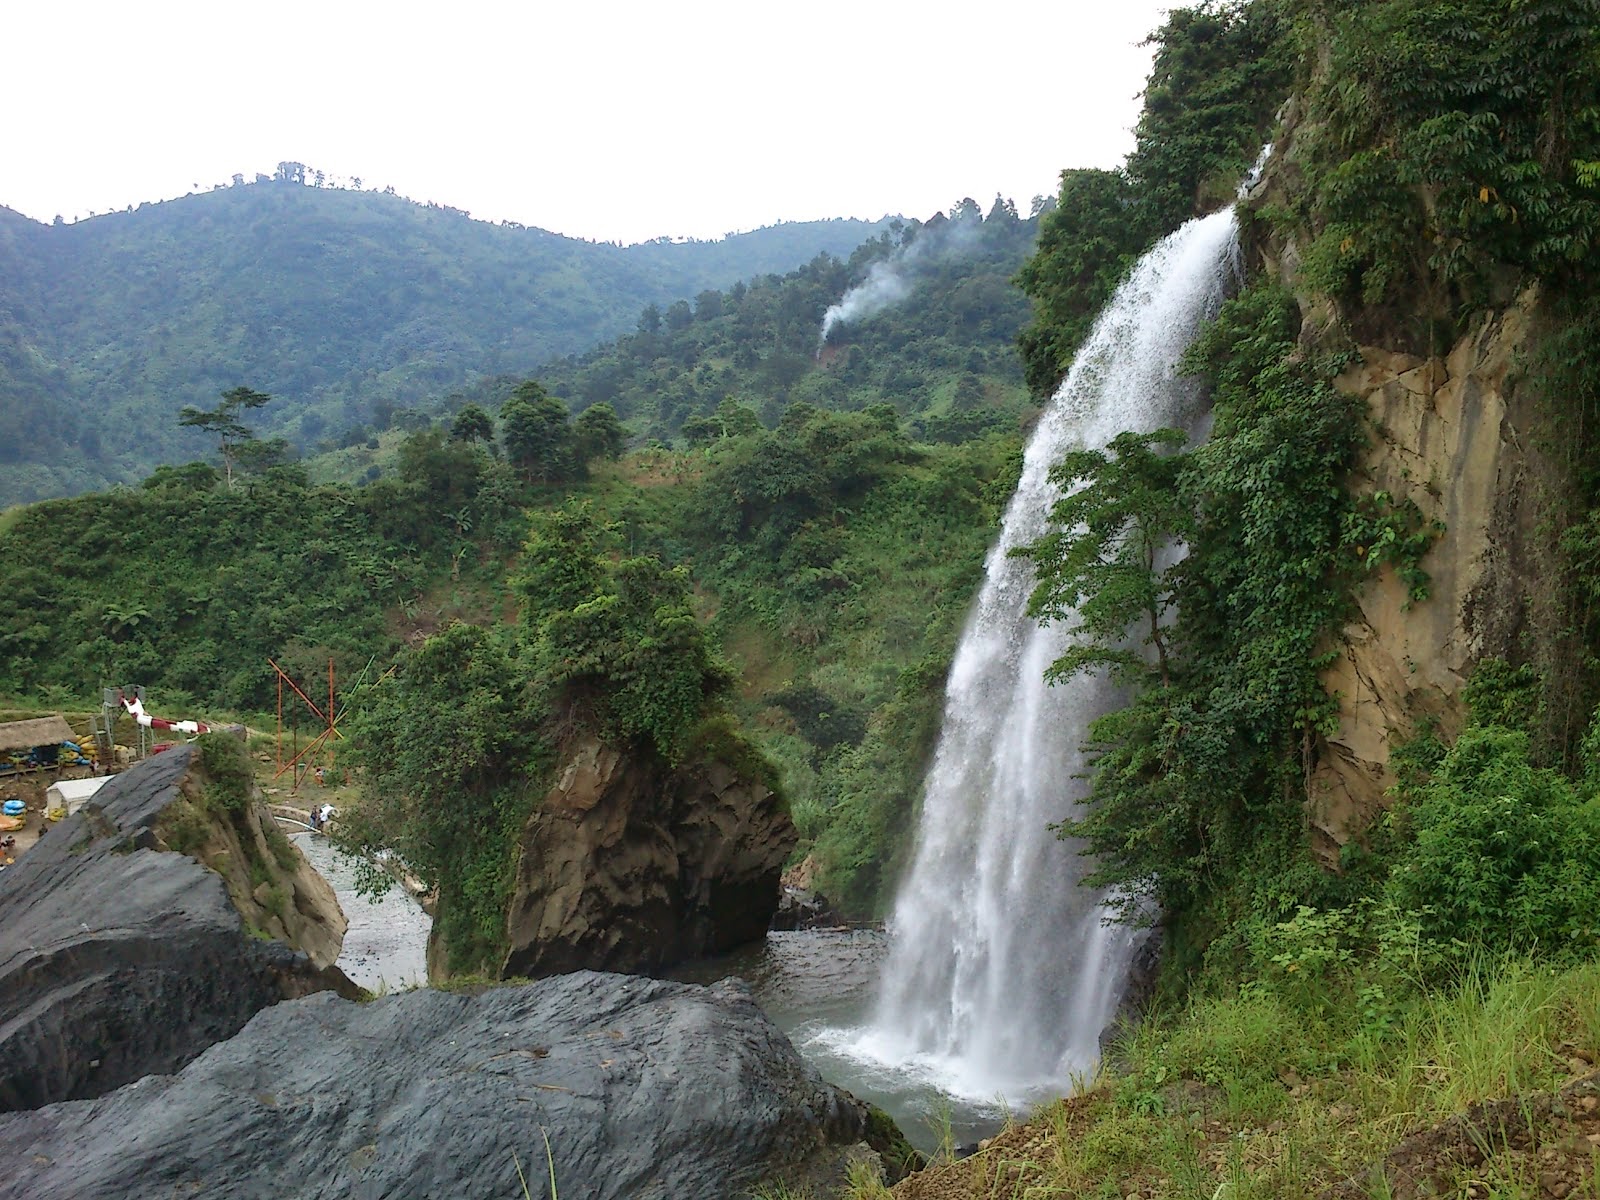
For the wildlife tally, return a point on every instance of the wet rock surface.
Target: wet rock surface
(119, 958)
(799, 908)
(645, 1089)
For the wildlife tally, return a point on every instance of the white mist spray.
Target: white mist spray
(884, 285)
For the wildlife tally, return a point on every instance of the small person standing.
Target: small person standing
(314, 818)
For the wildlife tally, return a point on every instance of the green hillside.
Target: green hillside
(335, 302)
(832, 510)
(942, 350)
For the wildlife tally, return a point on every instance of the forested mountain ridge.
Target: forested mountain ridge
(924, 316)
(331, 300)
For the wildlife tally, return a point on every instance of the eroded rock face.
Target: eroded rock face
(294, 904)
(629, 865)
(1449, 439)
(120, 958)
(645, 1089)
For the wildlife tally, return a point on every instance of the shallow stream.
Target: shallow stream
(386, 946)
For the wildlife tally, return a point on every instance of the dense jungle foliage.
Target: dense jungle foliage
(343, 304)
(831, 558)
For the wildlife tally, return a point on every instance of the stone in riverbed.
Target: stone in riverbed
(646, 1089)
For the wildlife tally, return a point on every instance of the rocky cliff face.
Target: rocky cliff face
(1448, 433)
(122, 958)
(644, 1089)
(632, 865)
(277, 892)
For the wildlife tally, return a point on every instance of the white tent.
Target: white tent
(71, 793)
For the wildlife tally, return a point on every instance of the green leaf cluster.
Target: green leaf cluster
(1101, 565)
(1446, 153)
(621, 636)
(1502, 854)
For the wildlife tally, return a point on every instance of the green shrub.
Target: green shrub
(185, 827)
(1505, 854)
(227, 771)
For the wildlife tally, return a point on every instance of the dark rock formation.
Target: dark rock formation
(119, 958)
(630, 865)
(1138, 989)
(802, 909)
(644, 1088)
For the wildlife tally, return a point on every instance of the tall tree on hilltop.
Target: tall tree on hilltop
(224, 421)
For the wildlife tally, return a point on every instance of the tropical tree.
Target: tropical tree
(537, 433)
(472, 424)
(599, 433)
(224, 421)
(1106, 564)
(444, 750)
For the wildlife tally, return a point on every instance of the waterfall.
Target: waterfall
(1002, 972)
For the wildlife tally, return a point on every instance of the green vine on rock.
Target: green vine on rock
(1380, 531)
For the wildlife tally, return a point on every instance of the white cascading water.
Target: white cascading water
(1002, 972)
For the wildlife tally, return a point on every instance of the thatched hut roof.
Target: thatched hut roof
(40, 731)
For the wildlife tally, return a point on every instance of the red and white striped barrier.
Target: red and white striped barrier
(135, 708)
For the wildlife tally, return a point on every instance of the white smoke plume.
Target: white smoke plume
(883, 286)
(891, 280)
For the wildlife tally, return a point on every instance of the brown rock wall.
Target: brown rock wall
(631, 865)
(1447, 436)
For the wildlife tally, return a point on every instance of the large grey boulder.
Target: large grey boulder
(120, 958)
(645, 1089)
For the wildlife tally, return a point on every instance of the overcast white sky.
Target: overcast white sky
(596, 119)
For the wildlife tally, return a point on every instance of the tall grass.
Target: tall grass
(1269, 1097)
